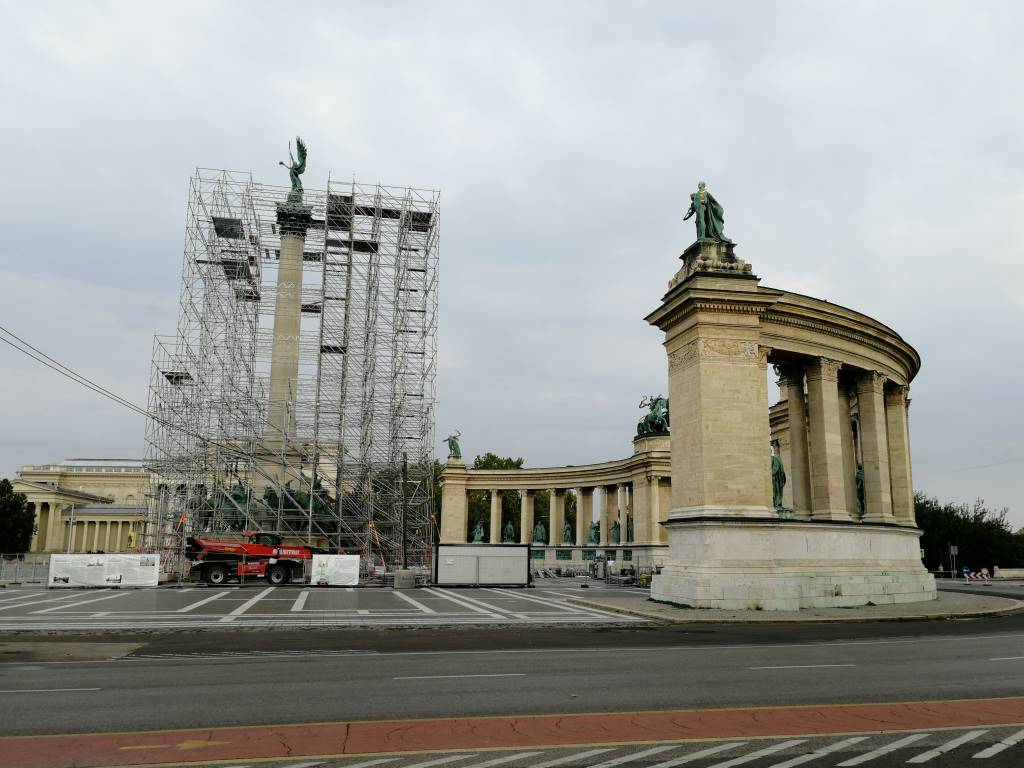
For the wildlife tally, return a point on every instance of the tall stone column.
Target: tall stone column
(875, 445)
(654, 512)
(584, 514)
(293, 219)
(54, 529)
(849, 449)
(898, 434)
(799, 470)
(623, 505)
(494, 534)
(608, 509)
(106, 536)
(37, 516)
(454, 504)
(828, 493)
(525, 517)
(557, 516)
(642, 492)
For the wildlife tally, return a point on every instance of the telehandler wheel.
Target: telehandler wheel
(277, 574)
(216, 575)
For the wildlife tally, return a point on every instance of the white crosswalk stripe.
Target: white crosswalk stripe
(368, 763)
(999, 746)
(819, 752)
(924, 757)
(700, 755)
(573, 758)
(759, 754)
(503, 760)
(883, 750)
(635, 756)
(441, 761)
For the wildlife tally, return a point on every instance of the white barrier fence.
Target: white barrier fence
(103, 571)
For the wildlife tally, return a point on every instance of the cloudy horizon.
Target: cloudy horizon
(865, 153)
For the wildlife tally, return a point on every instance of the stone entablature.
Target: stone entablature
(636, 489)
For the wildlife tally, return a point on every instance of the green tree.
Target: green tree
(480, 501)
(17, 521)
(982, 535)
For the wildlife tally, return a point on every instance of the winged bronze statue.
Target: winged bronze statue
(296, 168)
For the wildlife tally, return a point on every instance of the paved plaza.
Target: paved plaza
(259, 605)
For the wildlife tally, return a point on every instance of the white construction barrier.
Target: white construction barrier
(467, 565)
(104, 571)
(335, 571)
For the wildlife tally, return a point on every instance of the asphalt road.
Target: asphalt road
(179, 680)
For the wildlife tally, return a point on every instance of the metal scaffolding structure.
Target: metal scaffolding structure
(355, 456)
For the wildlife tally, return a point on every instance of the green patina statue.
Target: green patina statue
(656, 421)
(778, 481)
(540, 534)
(567, 535)
(454, 451)
(478, 533)
(616, 532)
(709, 215)
(295, 169)
(508, 536)
(593, 533)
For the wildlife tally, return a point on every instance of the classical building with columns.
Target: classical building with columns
(841, 430)
(634, 492)
(85, 505)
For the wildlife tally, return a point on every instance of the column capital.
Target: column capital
(897, 395)
(871, 381)
(824, 368)
(762, 356)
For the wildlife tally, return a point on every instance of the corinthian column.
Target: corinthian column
(828, 490)
(898, 434)
(799, 470)
(875, 446)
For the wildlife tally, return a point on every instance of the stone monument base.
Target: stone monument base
(776, 565)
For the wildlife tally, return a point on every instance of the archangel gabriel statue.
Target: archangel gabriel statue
(709, 215)
(454, 451)
(295, 169)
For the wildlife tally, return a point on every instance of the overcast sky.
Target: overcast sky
(865, 153)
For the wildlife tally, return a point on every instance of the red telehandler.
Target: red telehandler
(259, 555)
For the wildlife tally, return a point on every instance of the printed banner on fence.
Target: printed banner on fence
(104, 571)
(335, 570)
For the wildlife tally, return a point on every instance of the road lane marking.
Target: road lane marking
(562, 605)
(1007, 658)
(363, 612)
(635, 756)
(448, 677)
(246, 605)
(204, 601)
(805, 666)
(487, 606)
(46, 690)
(416, 603)
(310, 765)
(999, 746)
(300, 602)
(368, 763)
(505, 759)
(83, 602)
(698, 755)
(40, 602)
(458, 601)
(947, 747)
(819, 752)
(759, 753)
(441, 761)
(571, 758)
(883, 750)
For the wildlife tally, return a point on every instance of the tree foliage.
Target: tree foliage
(480, 501)
(982, 535)
(17, 520)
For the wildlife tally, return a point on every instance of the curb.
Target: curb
(1017, 607)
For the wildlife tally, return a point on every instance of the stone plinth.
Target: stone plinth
(788, 565)
(709, 256)
(454, 519)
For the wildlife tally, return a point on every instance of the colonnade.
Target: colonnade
(90, 534)
(839, 419)
(638, 518)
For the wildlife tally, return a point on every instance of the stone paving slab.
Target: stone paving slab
(949, 605)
